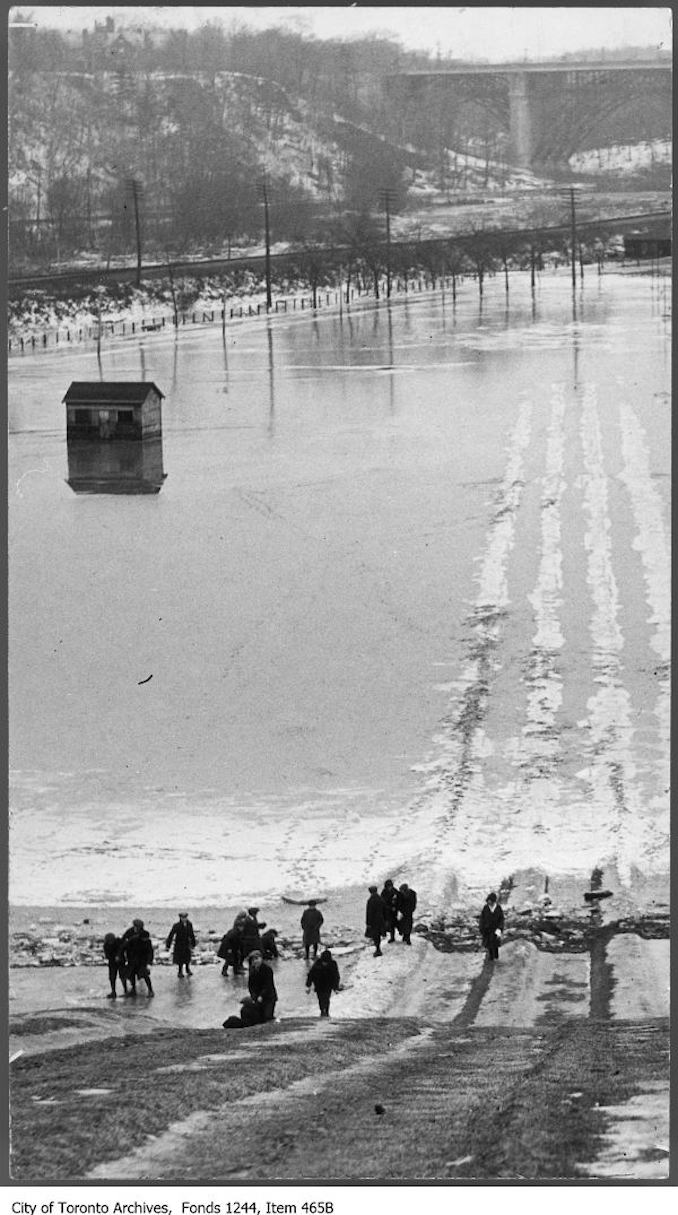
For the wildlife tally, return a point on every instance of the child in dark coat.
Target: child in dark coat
(324, 977)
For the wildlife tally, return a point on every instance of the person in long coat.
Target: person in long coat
(324, 977)
(407, 901)
(389, 896)
(184, 940)
(116, 966)
(311, 923)
(261, 986)
(375, 920)
(491, 923)
(251, 931)
(137, 953)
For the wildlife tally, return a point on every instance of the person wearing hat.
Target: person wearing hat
(491, 924)
(251, 931)
(375, 917)
(311, 923)
(184, 940)
(137, 953)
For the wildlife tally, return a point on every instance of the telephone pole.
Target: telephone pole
(267, 231)
(386, 201)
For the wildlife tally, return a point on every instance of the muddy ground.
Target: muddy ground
(381, 1100)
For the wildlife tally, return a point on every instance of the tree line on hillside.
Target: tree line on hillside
(164, 138)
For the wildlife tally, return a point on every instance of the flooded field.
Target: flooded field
(401, 606)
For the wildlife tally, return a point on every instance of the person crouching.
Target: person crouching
(261, 986)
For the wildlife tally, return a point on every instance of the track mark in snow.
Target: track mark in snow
(540, 741)
(454, 779)
(652, 544)
(611, 772)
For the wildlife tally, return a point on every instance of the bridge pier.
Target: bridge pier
(520, 120)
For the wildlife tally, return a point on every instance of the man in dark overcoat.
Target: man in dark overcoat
(251, 931)
(389, 896)
(261, 986)
(184, 940)
(324, 977)
(492, 926)
(311, 923)
(375, 920)
(407, 901)
(137, 953)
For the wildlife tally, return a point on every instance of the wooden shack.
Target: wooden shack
(126, 409)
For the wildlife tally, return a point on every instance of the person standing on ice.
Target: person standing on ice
(251, 931)
(324, 976)
(407, 901)
(116, 967)
(389, 897)
(491, 923)
(137, 951)
(184, 940)
(311, 923)
(375, 920)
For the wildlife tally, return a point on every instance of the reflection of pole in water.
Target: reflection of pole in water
(271, 383)
(391, 374)
(175, 357)
(142, 356)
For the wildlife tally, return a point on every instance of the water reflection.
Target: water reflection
(271, 381)
(117, 466)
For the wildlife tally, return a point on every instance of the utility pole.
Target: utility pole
(386, 200)
(267, 230)
(573, 220)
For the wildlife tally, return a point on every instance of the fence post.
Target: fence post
(258, 309)
(44, 339)
(22, 344)
(132, 326)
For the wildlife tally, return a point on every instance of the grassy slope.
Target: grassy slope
(501, 1098)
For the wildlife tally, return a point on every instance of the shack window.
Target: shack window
(125, 417)
(82, 417)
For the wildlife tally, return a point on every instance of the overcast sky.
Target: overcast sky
(489, 33)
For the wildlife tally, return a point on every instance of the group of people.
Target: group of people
(390, 912)
(247, 935)
(130, 956)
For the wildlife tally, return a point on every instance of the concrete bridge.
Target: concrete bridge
(547, 110)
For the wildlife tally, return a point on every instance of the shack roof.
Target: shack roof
(111, 392)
